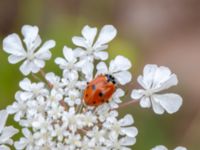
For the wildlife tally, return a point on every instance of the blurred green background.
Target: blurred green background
(149, 31)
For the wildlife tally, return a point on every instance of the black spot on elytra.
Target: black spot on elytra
(114, 82)
(93, 87)
(100, 94)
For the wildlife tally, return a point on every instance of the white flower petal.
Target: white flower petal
(43, 52)
(26, 132)
(126, 121)
(13, 59)
(25, 84)
(39, 63)
(21, 144)
(8, 132)
(102, 68)
(79, 41)
(25, 68)
(4, 147)
(34, 67)
(130, 131)
(13, 45)
(123, 77)
(148, 76)
(145, 102)
(120, 63)
(61, 62)
(157, 108)
(72, 75)
(30, 34)
(127, 141)
(107, 33)
(82, 63)
(28, 66)
(3, 118)
(88, 69)
(101, 55)
(180, 148)
(35, 44)
(170, 102)
(172, 81)
(142, 82)
(69, 55)
(11, 109)
(137, 94)
(161, 75)
(89, 34)
(118, 93)
(79, 52)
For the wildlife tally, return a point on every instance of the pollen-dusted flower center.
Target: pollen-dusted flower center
(117, 128)
(30, 56)
(36, 91)
(70, 65)
(148, 92)
(90, 49)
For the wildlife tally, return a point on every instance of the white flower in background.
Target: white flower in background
(6, 132)
(117, 68)
(154, 80)
(161, 147)
(33, 56)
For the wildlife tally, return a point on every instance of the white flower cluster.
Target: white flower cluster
(52, 113)
(53, 116)
(6, 132)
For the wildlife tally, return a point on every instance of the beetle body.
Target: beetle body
(99, 90)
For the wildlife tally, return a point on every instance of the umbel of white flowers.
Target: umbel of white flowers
(52, 113)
